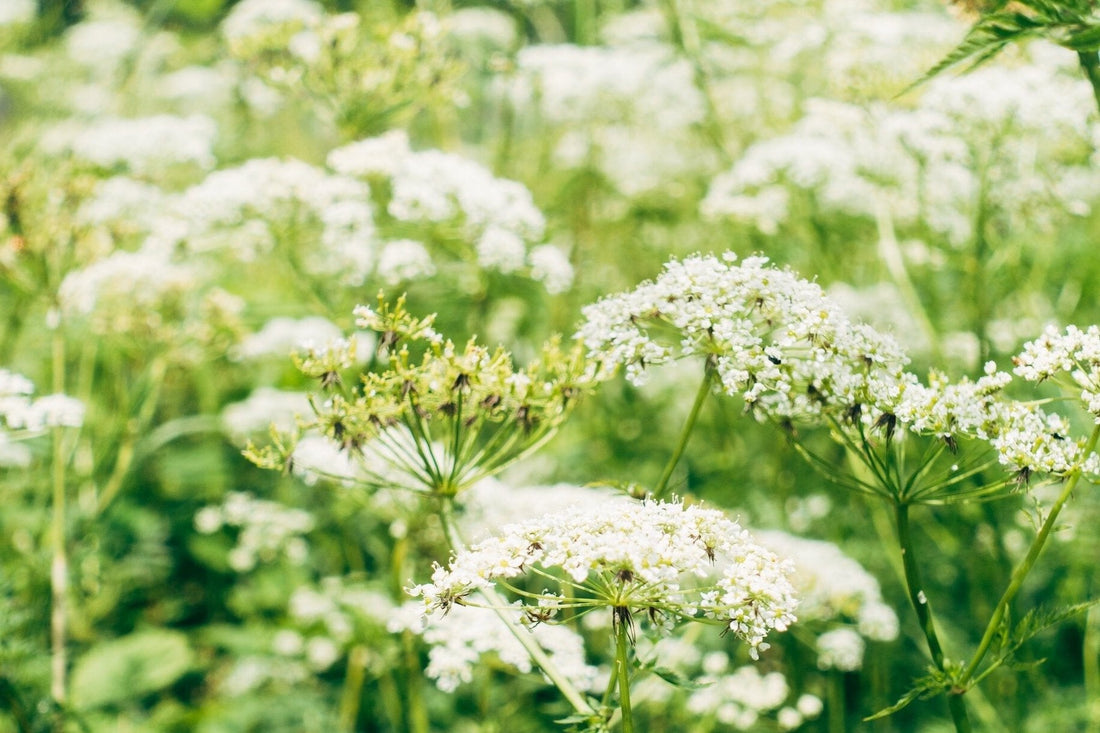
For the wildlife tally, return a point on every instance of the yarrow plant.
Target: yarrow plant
(440, 423)
(777, 342)
(663, 561)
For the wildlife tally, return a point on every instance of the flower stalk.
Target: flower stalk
(685, 434)
(1022, 570)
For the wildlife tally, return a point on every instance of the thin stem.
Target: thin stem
(622, 668)
(1091, 645)
(353, 688)
(685, 434)
(915, 587)
(1090, 64)
(836, 703)
(417, 714)
(59, 566)
(1022, 570)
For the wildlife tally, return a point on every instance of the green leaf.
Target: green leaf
(1036, 621)
(678, 680)
(930, 685)
(128, 667)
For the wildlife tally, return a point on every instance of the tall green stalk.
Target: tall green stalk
(622, 666)
(914, 585)
(685, 435)
(59, 565)
(1022, 570)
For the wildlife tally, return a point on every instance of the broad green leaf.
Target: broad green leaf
(128, 667)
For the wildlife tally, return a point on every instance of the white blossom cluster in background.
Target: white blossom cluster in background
(17, 11)
(281, 336)
(647, 551)
(497, 215)
(266, 408)
(490, 505)
(926, 165)
(140, 145)
(630, 110)
(328, 618)
(740, 697)
(22, 416)
(460, 640)
(266, 530)
(832, 586)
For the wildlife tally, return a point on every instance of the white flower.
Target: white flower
(146, 144)
(263, 408)
(840, 649)
(17, 11)
(251, 17)
(404, 260)
(832, 585)
(639, 558)
(459, 640)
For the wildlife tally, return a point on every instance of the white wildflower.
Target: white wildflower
(636, 559)
(840, 649)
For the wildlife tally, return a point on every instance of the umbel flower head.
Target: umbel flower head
(666, 561)
(772, 337)
(441, 422)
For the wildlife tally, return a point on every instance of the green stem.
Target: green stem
(1022, 570)
(1090, 64)
(622, 668)
(1091, 645)
(417, 715)
(352, 694)
(59, 566)
(685, 36)
(915, 587)
(685, 434)
(836, 703)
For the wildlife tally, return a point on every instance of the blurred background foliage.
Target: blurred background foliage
(208, 595)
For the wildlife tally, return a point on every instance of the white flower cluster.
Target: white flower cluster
(19, 413)
(1073, 353)
(236, 210)
(280, 336)
(584, 85)
(832, 586)
(267, 529)
(638, 558)
(126, 291)
(1027, 440)
(631, 111)
(840, 649)
(13, 12)
(328, 617)
(774, 338)
(926, 164)
(433, 187)
(460, 639)
(490, 505)
(737, 698)
(253, 17)
(146, 144)
(124, 204)
(263, 409)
